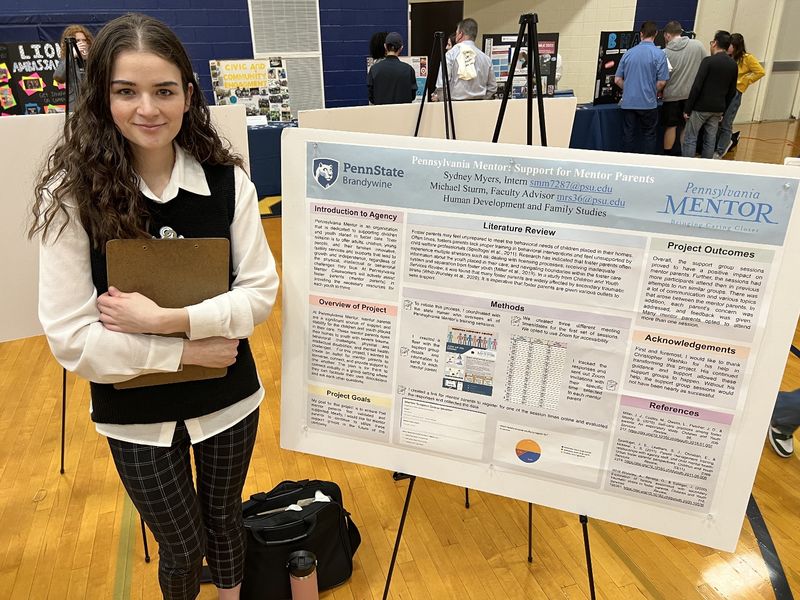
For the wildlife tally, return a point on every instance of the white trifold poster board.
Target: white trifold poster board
(596, 332)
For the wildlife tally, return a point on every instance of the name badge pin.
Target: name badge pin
(168, 233)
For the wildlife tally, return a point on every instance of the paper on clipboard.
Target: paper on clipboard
(173, 273)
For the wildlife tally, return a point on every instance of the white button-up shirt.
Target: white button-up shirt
(79, 341)
(482, 86)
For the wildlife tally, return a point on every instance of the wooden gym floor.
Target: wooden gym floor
(77, 536)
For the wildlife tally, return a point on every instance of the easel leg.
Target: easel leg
(412, 479)
(585, 524)
(144, 541)
(527, 22)
(438, 54)
(530, 532)
(63, 414)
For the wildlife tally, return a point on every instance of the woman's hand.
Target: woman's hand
(215, 352)
(134, 313)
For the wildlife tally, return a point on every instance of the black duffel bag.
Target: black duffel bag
(322, 527)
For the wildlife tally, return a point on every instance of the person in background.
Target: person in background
(712, 91)
(785, 421)
(559, 69)
(376, 45)
(392, 81)
(642, 74)
(451, 41)
(139, 154)
(685, 55)
(468, 68)
(749, 71)
(84, 39)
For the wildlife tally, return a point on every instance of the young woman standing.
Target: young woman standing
(138, 154)
(750, 71)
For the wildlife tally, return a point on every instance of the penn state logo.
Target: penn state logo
(326, 172)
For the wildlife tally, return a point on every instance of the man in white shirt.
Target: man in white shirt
(468, 69)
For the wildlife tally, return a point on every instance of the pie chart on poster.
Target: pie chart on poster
(528, 451)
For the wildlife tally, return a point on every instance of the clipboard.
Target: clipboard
(173, 273)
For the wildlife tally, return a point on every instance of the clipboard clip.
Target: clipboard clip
(168, 233)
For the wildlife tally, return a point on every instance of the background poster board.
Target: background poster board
(26, 79)
(420, 66)
(613, 44)
(575, 329)
(500, 48)
(260, 85)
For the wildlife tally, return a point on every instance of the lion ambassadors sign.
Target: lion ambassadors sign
(26, 79)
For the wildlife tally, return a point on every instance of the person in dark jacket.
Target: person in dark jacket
(392, 81)
(713, 90)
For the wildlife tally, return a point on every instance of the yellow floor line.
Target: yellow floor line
(127, 537)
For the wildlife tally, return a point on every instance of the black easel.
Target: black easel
(527, 25)
(63, 414)
(585, 525)
(63, 435)
(74, 60)
(397, 477)
(526, 22)
(412, 479)
(530, 532)
(530, 523)
(72, 56)
(449, 123)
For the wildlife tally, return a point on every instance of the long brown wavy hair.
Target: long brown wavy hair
(92, 165)
(70, 31)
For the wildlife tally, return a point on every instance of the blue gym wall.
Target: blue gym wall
(208, 28)
(211, 29)
(663, 12)
(346, 27)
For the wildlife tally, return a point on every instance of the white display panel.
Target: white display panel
(474, 120)
(596, 332)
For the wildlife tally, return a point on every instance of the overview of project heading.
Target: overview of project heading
(592, 325)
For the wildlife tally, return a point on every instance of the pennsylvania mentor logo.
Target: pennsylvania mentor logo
(326, 172)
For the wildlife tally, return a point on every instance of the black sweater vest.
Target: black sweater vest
(190, 215)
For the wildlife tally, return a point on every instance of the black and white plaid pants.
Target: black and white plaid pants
(187, 522)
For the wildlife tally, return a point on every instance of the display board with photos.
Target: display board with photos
(420, 66)
(613, 45)
(26, 79)
(499, 47)
(260, 85)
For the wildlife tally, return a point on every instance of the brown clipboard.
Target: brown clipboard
(173, 273)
